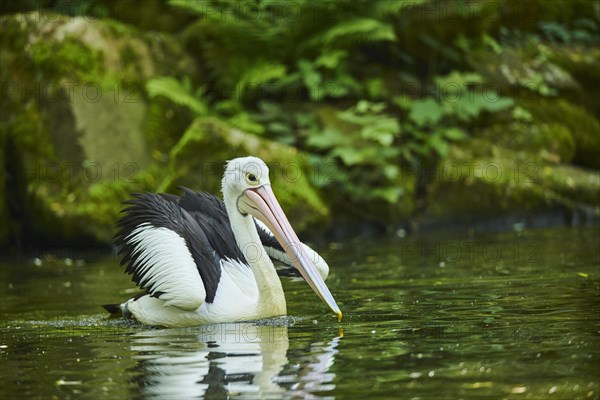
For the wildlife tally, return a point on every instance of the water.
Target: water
(513, 316)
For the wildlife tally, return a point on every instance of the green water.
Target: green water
(513, 316)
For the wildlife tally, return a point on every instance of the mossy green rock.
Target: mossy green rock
(472, 184)
(584, 128)
(533, 75)
(552, 142)
(77, 127)
(198, 160)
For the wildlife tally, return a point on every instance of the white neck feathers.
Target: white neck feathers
(271, 297)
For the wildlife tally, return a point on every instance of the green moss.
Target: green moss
(583, 126)
(65, 57)
(582, 63)
(472, 187)
(53, 140)
(573, 183)
(506, 181)
(542, 141)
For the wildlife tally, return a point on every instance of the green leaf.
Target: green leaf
(382, 130)
(437, 143)
(279, 128)
(349, 155)
(243, 122)
(404, 102)
(178, 92)
(425, 112)
(376, 88)
(454, 134)
(389, 194)
(328, 138)
(521, 114)
(261, 72)
(394, 7)
(331, 58)
(352, 30)
(498, 104)
(458, 79)
(492, 43)
(391, 171)
(312, 79)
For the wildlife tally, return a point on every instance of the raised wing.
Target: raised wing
(167, 252)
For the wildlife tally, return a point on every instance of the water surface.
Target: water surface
(513, 316)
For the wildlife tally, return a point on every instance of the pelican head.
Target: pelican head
(247, 180)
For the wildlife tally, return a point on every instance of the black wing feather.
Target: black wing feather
(210, 214)
(267, 238)
(159, 212)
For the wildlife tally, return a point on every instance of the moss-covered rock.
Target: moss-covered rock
(533, 74)
(470, 185)
(582, 63)
(584, 128)
(197, 161)
(75, 122)
(552, 142)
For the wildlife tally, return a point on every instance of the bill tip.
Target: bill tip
(339, 315)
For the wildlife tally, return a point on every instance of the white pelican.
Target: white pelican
(207, 264)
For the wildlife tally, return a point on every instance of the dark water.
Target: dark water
(513, 316)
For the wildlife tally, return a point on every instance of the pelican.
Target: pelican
(201, 260)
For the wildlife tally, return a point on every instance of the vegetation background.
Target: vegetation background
(375, 116)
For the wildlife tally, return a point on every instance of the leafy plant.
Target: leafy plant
(179, 92)
(327, 77)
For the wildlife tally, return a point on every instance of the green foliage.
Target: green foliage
(330, 78)
(178, 92)
(356, 29)
(585, 30)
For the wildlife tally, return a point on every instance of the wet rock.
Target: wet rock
(77, 127)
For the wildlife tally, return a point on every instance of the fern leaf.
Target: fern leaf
(261, 72)
(395, 7)
(203, 8)
(357, 29)
(178, 92)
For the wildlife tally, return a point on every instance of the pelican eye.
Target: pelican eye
(251, 179)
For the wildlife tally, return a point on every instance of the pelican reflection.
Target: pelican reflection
(229, 360)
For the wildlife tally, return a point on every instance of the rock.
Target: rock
(77, 128)
(198, 160)
(582, 63)
(552, 142)
(533, 74)
(584, 128)
(503, 182)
